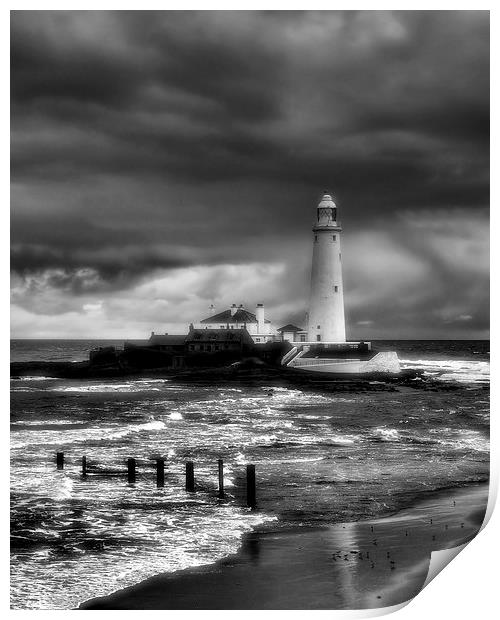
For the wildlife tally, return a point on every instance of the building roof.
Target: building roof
(290, 328)
(167, 339)
(240, 316)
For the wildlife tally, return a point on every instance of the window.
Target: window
(318, 327)
(191, 347)
(336, 289)
(257, 340)
(222, 326)
(315, 237)
(340, 256)
(318, 337)
(334, 237)
(302, 338)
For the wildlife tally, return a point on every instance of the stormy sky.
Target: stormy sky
(165, 161)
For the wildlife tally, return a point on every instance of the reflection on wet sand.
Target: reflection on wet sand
(360, 565)
(385, 562)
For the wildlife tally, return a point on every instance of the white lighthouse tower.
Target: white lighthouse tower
(326, 306)
(326, 350)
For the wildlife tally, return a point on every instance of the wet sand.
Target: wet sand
(357, 565)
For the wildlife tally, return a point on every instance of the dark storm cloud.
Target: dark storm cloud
(144, 141)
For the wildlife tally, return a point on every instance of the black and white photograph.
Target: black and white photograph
(250, 293)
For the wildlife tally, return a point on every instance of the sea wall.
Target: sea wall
(386, 361)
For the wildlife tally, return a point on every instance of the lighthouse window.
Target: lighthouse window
(315, 237)
(318, 337)
(336, 289)
(334, 237)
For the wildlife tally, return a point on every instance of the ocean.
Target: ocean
(320, 458)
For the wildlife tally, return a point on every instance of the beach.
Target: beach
(354, 565)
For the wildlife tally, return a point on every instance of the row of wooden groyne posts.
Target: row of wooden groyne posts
(160, 475)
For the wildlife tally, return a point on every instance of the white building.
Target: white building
(326, 305)
(237, 317)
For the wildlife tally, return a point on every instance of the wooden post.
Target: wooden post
(131, 470)
(251, 501)
(221, 479)
(84, 466)
(190, 476)
(160, 472)
(60, 460)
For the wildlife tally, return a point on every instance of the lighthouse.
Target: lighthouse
(326, 305)
(326, 351)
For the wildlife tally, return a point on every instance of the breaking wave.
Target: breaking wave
(462, 371)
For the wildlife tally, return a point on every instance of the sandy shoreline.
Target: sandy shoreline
(355, 565)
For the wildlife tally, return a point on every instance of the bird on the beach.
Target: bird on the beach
(446, 527)
(373, 565)
(371, 527)
(375, 542)
(433, 537)
(431, 521)
(461, 524)
(454, 503)
(388, 555)
(406, 533)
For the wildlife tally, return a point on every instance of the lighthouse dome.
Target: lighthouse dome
(326, 202)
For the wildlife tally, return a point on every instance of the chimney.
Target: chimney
(233, 309)
(259, 313)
